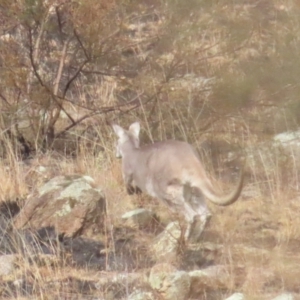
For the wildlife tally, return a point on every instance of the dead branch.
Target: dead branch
(55, 116)
(35, 50)
(74, 77)
(4, 99)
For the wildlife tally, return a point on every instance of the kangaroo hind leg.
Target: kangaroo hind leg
(201, 214)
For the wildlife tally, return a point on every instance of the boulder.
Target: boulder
(236, 296)
(169, 282)
(211, 277)
(165, 246)
(284, 296)
(68, 203)
(140, 218)
(289, 139)
(289, 142)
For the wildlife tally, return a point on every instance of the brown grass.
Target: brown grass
(259, 234)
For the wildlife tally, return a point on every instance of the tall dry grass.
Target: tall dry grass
(259, 233)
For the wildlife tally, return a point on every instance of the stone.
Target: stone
(236, 296)
(140, 295)
(284, 296)
(7, 264)
(169, 282)
(166, 243)
(289, 138)
(289, 142)
(199, 255)
(214, 276)
(68, 203)
(140, 218)
(115, 284)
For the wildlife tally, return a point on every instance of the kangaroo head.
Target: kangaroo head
(127, 139)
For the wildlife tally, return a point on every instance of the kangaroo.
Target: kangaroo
(172, 172)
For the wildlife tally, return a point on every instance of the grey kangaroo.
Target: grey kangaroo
(172, 172)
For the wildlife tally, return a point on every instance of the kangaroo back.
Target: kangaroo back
(154, 167)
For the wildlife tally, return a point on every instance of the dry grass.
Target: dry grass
(260, 233)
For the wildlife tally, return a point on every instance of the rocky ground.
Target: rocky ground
(222, 75)
(67, 240)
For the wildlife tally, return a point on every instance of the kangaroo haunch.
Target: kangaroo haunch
(172, 172)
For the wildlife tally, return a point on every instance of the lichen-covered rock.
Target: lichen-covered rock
(165, 246)
(68, 203)
(140, 218)
(214, 276)
(170, 283)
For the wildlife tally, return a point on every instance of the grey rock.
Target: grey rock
(289, 143)
(140, 295)
(120, 283)
(289, 138)
(140, 218)
(200, 255)
(7, 264)
(167, 242)
(169, 282)
(284, 296)
(214, 276)
(236, 296)
(68, 203)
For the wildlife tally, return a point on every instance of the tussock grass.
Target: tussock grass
(235, 109)
(259, 233)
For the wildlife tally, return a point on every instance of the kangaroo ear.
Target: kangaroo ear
(118, 130)
(134, 128)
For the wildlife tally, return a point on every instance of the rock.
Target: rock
(213, 276)
(7, 264)
(284, 296)
(288, 139)
(68, 203)
(140, 295)
(282, 150)
(289, 142)
(169, 282)
(115, 284)
(166, 243)
(121, 278)
(236, 296)
(141, 218)
(200, 255)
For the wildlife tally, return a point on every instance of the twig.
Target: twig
(4, 99)
(61, 66)
(74, 77)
